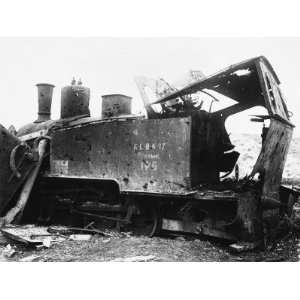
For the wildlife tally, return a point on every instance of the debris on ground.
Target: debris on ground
(39, 237)
(30, 258)
(69, 230)
(9, 251)
(135, 259)
(31, 235)
(243, 246)
(142, 248)
(47, 242)
(106, 241)
(80, 237)
(3, 240)
(29, 243)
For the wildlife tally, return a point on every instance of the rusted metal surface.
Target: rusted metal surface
(141, 155)
(115, 105)
(271, 161)
(74, 101)
(9, 183)
(247, 224)
(45, 92)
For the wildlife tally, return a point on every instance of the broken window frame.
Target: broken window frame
(263, 69)
(270, 87)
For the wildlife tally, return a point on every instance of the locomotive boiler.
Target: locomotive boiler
(167, 171)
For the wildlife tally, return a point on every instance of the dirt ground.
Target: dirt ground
(130, 248)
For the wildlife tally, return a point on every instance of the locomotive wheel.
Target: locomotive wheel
(146, 223)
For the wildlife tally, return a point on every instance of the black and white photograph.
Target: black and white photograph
(147, 150)
(149, 153)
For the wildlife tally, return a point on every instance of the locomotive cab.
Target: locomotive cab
(252, 83)
(212, 100)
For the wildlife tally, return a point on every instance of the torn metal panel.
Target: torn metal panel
(250, 83)
(16, 164)
(271, 160)
(28, 185)
(30, 235)
(239, 82)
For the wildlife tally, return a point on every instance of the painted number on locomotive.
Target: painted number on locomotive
(149, 146)
(149, 161)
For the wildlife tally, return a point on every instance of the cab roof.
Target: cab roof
(240, 82)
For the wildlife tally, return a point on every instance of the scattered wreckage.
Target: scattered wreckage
(164, 172)
(44, 236)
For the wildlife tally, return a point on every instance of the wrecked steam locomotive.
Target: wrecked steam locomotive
(167, 171)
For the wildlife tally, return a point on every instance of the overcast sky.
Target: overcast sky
(109, 66)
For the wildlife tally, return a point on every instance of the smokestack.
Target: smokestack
(45, 92)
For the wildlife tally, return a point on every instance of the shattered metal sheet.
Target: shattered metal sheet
(30, 234)
(11, 180)
(239, 82)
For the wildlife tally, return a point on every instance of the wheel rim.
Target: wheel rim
(147, 223)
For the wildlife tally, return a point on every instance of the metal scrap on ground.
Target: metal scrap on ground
(45, 236)
(31, 235)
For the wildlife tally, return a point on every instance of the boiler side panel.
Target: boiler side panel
(141, 155)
